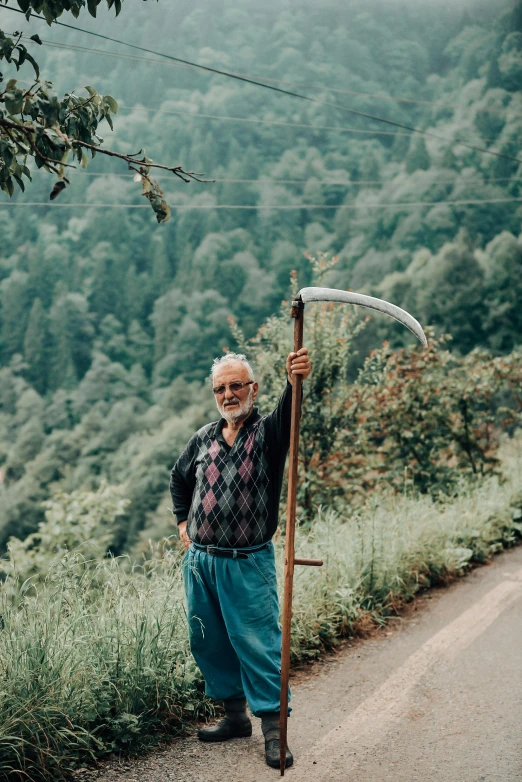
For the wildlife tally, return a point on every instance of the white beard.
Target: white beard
(235, 413)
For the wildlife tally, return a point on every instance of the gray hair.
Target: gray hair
(227, 359)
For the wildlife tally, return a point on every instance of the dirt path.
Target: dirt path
(435, 698)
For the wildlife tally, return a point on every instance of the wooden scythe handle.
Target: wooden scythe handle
(298, 314)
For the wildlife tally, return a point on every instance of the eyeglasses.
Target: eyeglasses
(234, 387)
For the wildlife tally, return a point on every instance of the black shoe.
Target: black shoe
(272, 754)
(226, 729)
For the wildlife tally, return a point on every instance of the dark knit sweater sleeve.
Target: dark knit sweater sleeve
(277, 433)
(277, 424)
(183, 480)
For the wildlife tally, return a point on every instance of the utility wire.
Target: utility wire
(282, 91)
(175, 112)
(435, 104)
(355, 183)
(198, 207)
(255, 120)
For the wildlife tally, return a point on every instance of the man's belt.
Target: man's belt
(231, 553)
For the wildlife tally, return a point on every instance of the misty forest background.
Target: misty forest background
(109, 322)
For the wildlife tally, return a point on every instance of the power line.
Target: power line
(276, 207)
(358, 93)
(354, 183)
(108, 53)
(176, 112)
(435, 104)
(255, 120)
(248, 80)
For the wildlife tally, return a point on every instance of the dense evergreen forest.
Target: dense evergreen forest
(109, 322)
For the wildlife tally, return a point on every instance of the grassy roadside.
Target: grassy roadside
(379, 559)
(94, 658)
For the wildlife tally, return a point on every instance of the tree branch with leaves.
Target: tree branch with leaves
(39, 129)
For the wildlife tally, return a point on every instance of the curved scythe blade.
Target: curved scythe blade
(333, 294)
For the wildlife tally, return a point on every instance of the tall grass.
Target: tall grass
(93, 660)
(94, 657)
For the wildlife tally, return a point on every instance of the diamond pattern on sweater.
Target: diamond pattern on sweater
(246, 468)
(209, 502)
(212, 473)
(230, 502)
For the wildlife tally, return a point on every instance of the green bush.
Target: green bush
(412, 417)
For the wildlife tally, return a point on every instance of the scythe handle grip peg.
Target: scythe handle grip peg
(314, 562)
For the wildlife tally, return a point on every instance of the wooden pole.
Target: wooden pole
(298, 314)
(290, 559)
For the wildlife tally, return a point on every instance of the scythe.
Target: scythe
(305, 295)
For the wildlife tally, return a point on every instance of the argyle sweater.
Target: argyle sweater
(229, 495)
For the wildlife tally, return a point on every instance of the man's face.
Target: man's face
(234, 405)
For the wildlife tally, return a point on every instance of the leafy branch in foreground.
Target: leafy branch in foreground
(52, 9)
(36, 125)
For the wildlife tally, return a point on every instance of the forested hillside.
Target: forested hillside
(109, 322)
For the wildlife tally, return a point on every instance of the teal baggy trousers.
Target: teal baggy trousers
(233, 617)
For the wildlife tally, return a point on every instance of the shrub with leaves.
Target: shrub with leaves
(428, 417)
(83, 521)
(412, 417)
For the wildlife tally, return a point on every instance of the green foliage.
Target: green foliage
(84, 522)
(108, 428)
(113, 325)
(380, 556)
(98, 662)
(36, 346)
(424, 418)
(330, 333)
(95, 655)
(469, 292)
(53, 9)
(428, 418)
(36, 126)
(419, 157)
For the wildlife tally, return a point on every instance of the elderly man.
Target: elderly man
(225, 490)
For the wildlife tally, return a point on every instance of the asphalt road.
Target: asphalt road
(435, 697)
